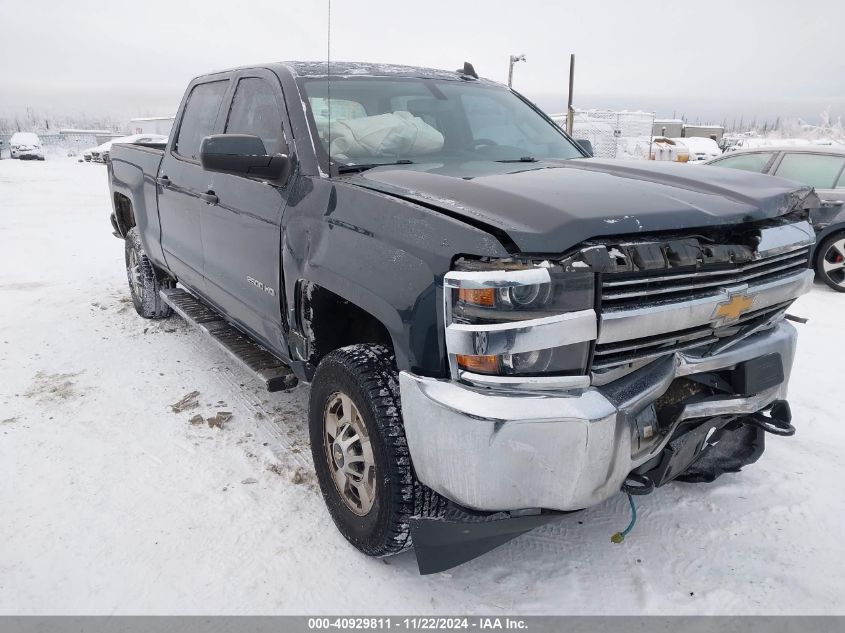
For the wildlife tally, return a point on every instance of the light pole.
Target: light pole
(514, 59)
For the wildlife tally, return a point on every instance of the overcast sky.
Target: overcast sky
(710, 59)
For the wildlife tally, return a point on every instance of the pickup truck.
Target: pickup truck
(497, 329)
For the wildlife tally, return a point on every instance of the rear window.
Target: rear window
(199, 117)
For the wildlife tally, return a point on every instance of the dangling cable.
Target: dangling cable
(620, 536)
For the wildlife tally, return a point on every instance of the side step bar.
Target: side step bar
(276, 375)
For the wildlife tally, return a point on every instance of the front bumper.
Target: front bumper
(570, 450)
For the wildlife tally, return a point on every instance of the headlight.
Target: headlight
(518, 320)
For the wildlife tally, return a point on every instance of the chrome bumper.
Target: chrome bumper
(562, 451)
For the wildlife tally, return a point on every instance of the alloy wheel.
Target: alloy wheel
(833, 262)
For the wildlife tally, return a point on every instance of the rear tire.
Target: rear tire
(355, 418)
(144, 281)
(830, 261)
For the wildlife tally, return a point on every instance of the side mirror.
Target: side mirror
(586, 145)
(242, 154)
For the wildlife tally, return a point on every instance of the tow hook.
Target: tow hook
(778, 422)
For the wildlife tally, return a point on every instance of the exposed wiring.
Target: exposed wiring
(620, 536)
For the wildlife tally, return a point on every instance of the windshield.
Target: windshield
(378, 121)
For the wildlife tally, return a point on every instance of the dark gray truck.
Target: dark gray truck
(497, 328)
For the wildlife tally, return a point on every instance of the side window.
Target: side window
(747, 162)
(255, 111)
(199, 117)
(816, 170)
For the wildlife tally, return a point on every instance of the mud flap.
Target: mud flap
(442, 544)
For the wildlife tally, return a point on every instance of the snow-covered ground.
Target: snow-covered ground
(112, 503)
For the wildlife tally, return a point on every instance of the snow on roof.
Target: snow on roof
(129, 139)
(318, 69)
(787, 143)
(24, 137)
(700, 144)
(153, 118)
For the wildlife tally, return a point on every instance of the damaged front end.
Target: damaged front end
(670, 364)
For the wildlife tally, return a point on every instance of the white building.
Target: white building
(151, 125)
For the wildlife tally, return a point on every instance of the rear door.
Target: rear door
(182, 183)
(241, 231)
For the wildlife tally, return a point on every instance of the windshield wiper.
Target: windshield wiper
(346, 169)
(521, 159)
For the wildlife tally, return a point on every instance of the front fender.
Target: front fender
(385, 255)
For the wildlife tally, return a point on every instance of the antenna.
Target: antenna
(329, 80)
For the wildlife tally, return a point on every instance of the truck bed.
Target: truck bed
(133, 172)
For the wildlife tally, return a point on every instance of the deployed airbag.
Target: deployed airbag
(398, 134)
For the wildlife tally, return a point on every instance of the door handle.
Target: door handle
(164, 181)
(209, 197)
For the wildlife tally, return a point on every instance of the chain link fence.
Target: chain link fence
(614, 134)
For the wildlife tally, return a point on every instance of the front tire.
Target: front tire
(360, 452)
(830, 261)
(144, 282)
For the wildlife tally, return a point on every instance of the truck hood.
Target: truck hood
(551, 206)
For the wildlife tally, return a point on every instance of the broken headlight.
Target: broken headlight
(519, 320)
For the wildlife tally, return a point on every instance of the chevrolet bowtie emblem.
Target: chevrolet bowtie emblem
(731, 309)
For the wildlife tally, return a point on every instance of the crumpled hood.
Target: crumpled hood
(550, 206)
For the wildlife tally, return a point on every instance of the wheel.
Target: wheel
(360, 452)
(830, 261)
(144, 282)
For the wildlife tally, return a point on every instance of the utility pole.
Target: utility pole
(570, 111)
(514, 59)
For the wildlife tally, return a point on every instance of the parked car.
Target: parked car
(100, 154)
(700, 149)
(496, 328)
(821, 167)
(26, 145)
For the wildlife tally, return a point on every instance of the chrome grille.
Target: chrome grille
(611, 355)
(628, 293)
(619, 291)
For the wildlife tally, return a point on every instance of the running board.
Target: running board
(275, 375)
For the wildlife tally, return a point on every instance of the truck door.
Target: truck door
(183, 182)
(241, 230)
